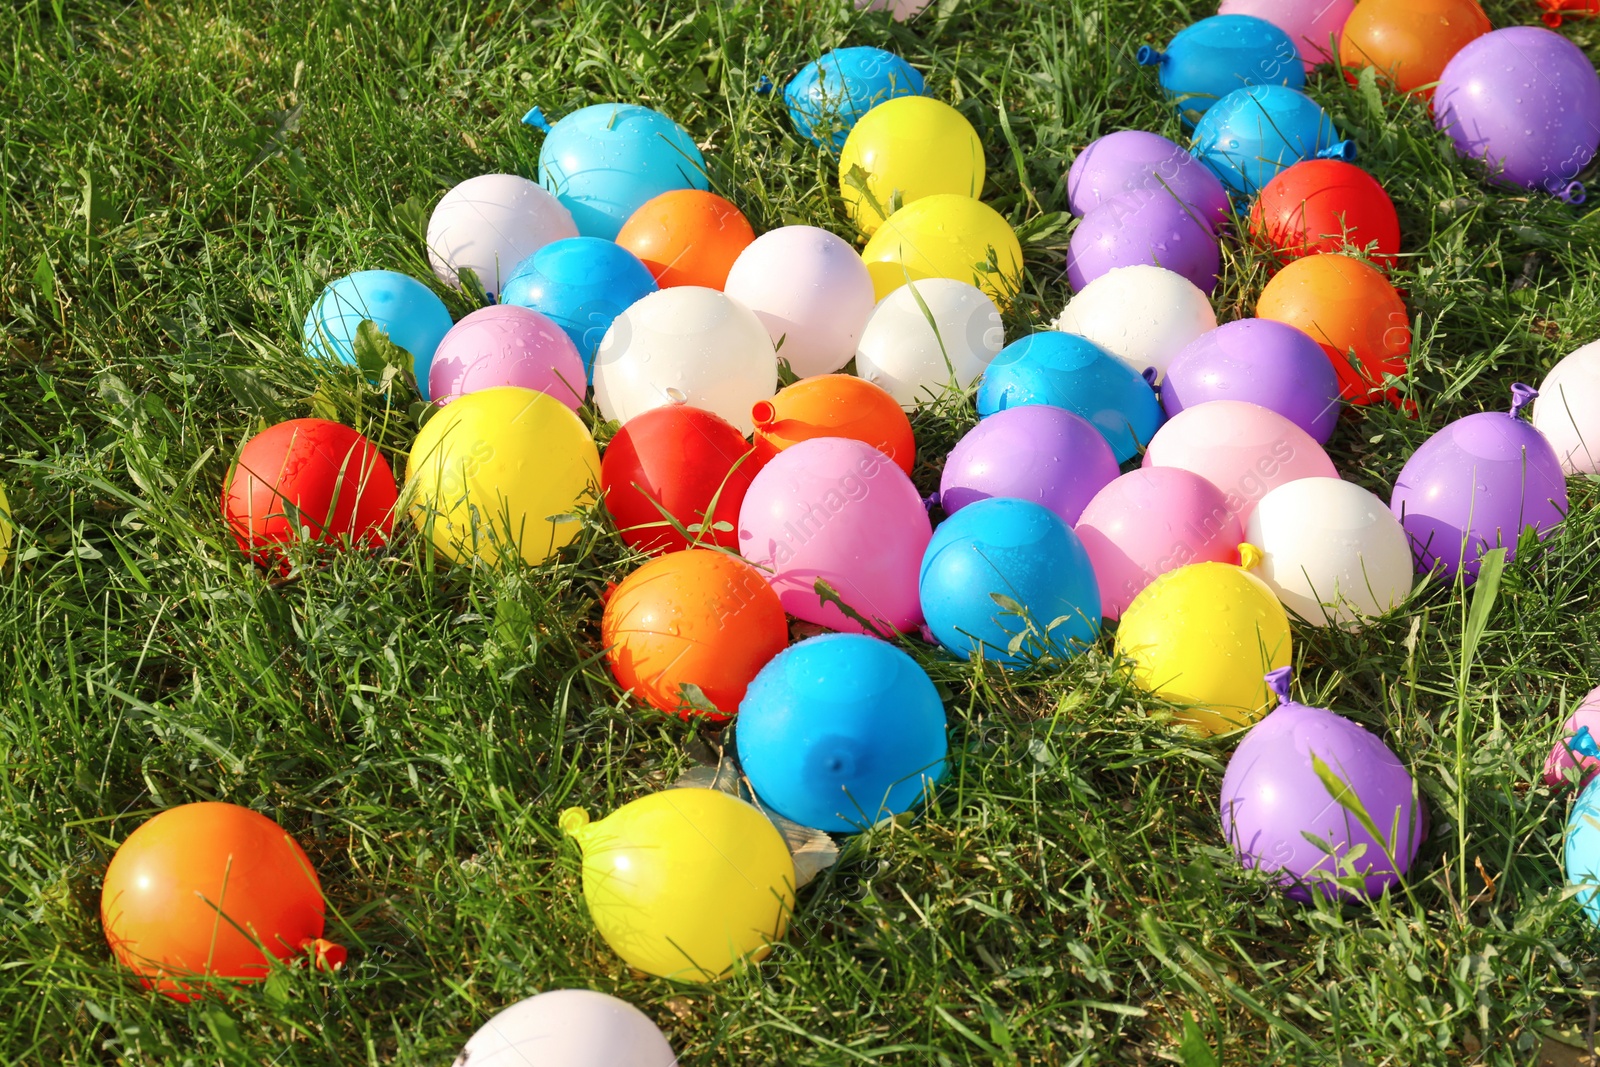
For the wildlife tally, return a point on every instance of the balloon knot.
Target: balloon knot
(1521, 396)
(324, 955)
(763, 414)
(572, 820)
(1278, 682)
(1249, 556)
(536, 119)
(764, 86)
(1583, 743)
(1151, 376)
(1343, 150)
(931, 501)
(1573, 193)
(1149, 57)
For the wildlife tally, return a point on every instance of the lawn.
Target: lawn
(180, 181)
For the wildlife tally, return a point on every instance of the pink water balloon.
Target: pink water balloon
(840, 511)
(1241, 448)
(507, 345)
(1562, 758)
(1151, 521)
(1310, 24)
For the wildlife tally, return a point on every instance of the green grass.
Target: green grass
(180, 180)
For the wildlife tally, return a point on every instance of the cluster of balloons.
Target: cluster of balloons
(619, 282)
(911, 171)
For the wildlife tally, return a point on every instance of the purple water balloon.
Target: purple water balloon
(1265, 362)
(1158, 230)
(504, 344)
(1525, 101)
(1477, 484)
(1145, 166)
(1034, 452)
(1272, 800)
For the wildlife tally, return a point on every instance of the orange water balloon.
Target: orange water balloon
(687, 237)
(1349, 308)
(207, 891)
(834, 405)
(698, 617)
(1410, 41)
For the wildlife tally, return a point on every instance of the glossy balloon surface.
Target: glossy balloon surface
(840, 731)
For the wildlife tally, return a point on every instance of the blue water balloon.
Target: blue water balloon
(1010, 577)
(399, 305)
(1252, 134)
(1217, 55)
(1072, 372)
(1583, 849)
(829, 94)
(582, 283)
(604, 161)
(840, 731)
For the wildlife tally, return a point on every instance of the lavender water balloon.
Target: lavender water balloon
(1034, 452)
(1273, 800)
(1133, 163)
(507, 345)
(1526, 102)
(1264, 362)
(1160, 230)
(1477, 484)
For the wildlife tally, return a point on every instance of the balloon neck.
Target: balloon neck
(1572, 193)
(1150, 376)
(1278, 681)
(764, 86)
(1150, 57)
(931, 501)
(1249, 556)
(1583, 743)
(572, 821)
(536, 119)
(324, 955)
(1343, 150)
(764, 415)
(1521, 396)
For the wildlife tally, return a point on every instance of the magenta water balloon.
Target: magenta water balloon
(1034, 452)
(1159, 230)
(1264, 362)
(1144, 165)
(1526, 102)
(507, 345)
(1476, 485)
(1273, 800)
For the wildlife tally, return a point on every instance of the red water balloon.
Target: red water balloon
(1555, 11)
(687, 460)
(311, 478)
(1326, 205)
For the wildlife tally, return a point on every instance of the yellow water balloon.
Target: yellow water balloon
(502, 468)
(685, 883)
(1203, 636)
(903, 150)
(946, 236)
